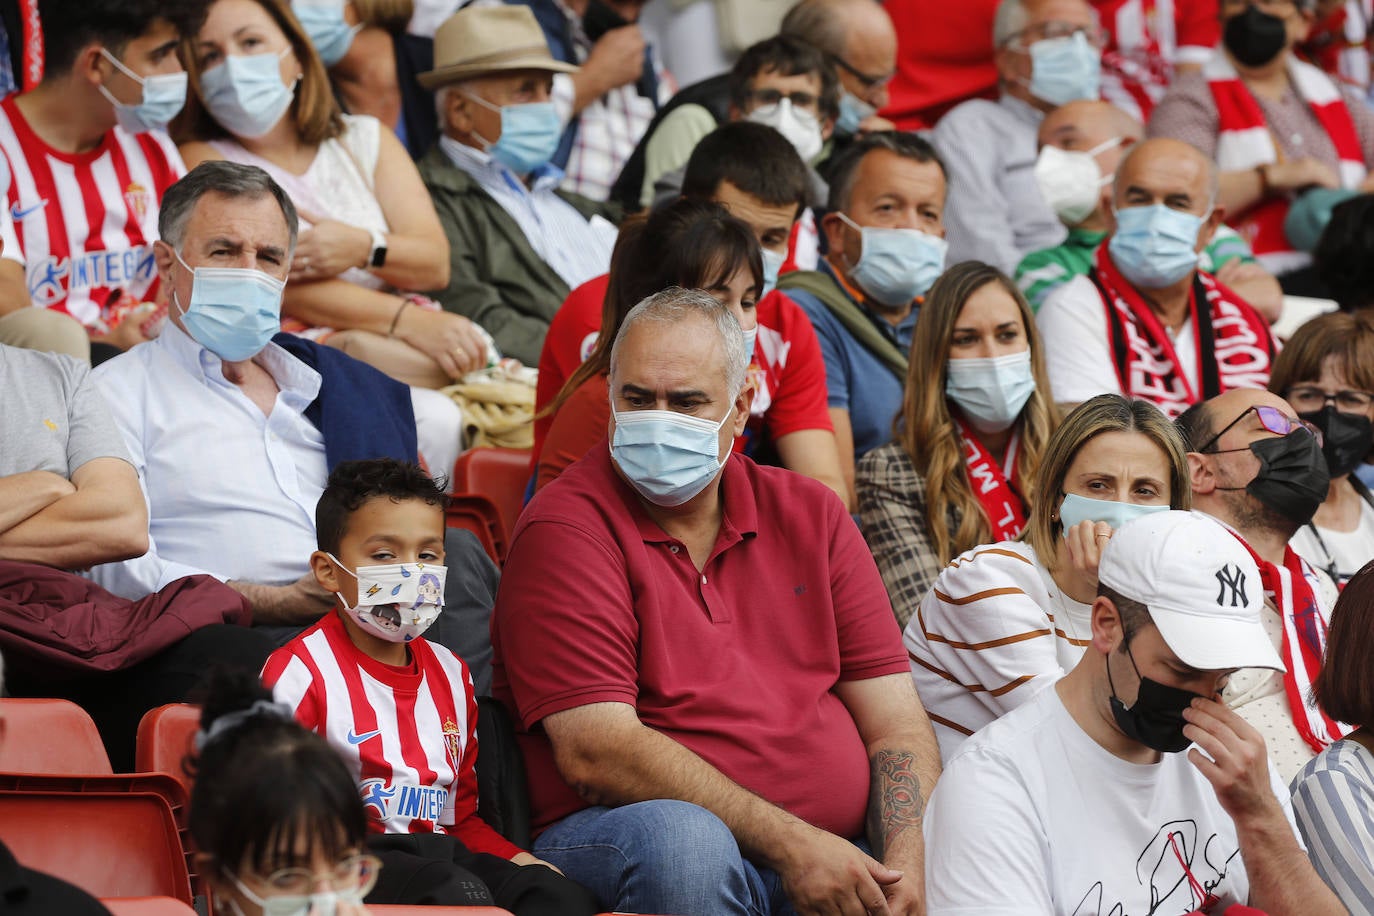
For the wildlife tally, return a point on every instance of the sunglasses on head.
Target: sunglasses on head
(1272, 419)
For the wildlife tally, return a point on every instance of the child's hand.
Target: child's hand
(527, 858)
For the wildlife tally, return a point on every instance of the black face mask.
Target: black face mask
(1292, 479)
(1156, 718)
(1254, 37)
(600, 19)
(1346, 438)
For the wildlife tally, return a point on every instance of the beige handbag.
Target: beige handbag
(497, 405)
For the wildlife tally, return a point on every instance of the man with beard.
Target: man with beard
(1259, 469)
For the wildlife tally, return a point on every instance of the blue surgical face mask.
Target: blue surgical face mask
(772, 266)
(164, 94)
(323, 21)
(1065, 69)
(529, 134)
(245, 94)
(751, 336)
(990, 392)
(1076, 509)
(853, 112)
(233, 312)
(667, 456)
(897, 265)
(1155, 246)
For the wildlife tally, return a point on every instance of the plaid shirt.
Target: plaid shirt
(892, 514)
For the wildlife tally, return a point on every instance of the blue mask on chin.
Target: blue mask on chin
(853, 112)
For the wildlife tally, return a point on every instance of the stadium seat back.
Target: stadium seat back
(50, 736)
(499, 474)
(479, 515)
(164, 739)
(110, 844)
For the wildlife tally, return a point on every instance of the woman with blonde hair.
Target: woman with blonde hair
(370, 237)
(1326, 372)
(975, 417)
(1006, 618)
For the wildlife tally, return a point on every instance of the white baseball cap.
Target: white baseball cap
(1201, 586)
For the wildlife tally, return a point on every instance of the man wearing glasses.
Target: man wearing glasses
(1275, 126)
(1048, 53)
(1259, 469)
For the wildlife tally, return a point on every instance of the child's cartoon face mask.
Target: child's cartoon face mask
(398, 601)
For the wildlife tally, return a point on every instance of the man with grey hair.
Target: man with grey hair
(518, 243)
(713, 700)
(234, 427)
(1048, 53)
(1146, 322)
(858, 37)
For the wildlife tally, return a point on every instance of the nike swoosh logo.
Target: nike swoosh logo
(365, 736)
(19, 214)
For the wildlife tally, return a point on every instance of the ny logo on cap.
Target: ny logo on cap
(1232, 580)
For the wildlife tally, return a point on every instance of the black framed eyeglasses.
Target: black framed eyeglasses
(869, 81)
(1272, 419)
(1310, 398)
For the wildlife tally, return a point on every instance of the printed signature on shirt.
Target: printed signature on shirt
(1164, 867)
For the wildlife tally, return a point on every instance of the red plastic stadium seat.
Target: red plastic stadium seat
(108, 842)
(50, 736)
(147, 906)
(479, 515)
(164, 740)
(499, 474)
(395, 910)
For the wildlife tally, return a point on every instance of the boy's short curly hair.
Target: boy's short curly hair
(353, 483)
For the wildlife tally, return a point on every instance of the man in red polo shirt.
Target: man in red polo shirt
(703, 648)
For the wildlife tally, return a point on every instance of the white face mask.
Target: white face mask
(396, 601)
(325, 904)
(1071, 180)
(798, 125)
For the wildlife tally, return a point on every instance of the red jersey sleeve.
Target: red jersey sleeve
(1197, 25)
(577, 427)
(800, 399)
(578, 316)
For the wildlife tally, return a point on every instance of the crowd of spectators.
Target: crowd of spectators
(953, 441)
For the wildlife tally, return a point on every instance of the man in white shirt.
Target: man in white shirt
(518, 243)
(1082, 800)
(1145, 321)
(1048, 53)
(233, 434)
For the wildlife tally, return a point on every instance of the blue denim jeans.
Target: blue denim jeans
(661, 856)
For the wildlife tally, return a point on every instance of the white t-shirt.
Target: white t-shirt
(1339, 554)
(1034, 816)
(1078, 355)
(991, 632)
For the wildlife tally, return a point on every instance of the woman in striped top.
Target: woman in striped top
(1333, 795)
(1005, 619)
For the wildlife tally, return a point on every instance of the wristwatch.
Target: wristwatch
(378, 256)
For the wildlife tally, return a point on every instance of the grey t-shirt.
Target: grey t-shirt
(52, 418)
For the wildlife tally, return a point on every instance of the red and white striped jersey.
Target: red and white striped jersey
(408, 735)
(83, 224)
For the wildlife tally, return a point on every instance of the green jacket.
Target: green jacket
(496, 278)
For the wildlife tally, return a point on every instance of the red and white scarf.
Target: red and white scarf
(997, 488)
(1292, 588)
(1245, 141)
(1233, 343)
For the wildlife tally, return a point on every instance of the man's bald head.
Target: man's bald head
(857, 35)
(1087, 123)
(1166, 171)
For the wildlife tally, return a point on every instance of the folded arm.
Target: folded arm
(102, 519)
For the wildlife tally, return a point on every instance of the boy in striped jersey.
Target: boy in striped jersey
(88, 163)
(402, 711)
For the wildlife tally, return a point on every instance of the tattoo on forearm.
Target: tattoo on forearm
(895, 805)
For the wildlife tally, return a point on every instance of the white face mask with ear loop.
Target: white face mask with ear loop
(1071, 181)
